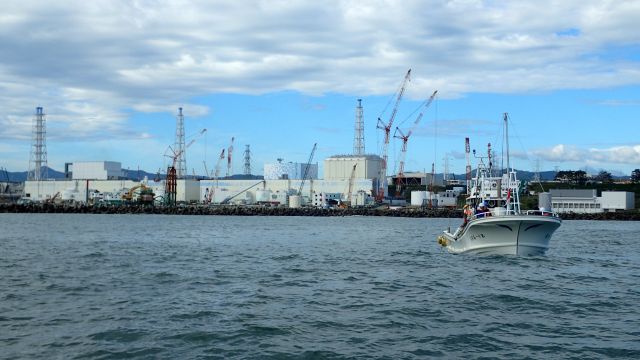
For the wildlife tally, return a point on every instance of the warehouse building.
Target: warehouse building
(586, 200)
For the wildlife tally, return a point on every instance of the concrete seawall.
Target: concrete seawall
(226, 210)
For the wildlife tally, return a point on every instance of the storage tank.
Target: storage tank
(544, 201)
(295, 201)
(419, 198)
(71, 194)
(263, 195)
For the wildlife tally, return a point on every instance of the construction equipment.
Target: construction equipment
(405, 140)
(306, 169)
(171, 184)
(387, 133)
(145, 195)
(206, 171)
(5, 188)
(53, 198)
(227, 200)
(229, 158)
(347, 203)
(216, 176)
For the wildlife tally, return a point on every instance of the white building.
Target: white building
(278, 191)
(289, 170)
(587, 201)
(448, 198)
(187, 190)
(340, 167)
(96, 170)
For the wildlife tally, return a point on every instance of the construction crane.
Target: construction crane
(170, 189)
(347, 202)
(216, 176)
(405, 139)
(227, 200)
(387, 133)
(229, 154)
(306, 169)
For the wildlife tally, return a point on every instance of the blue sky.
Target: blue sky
(282, 75)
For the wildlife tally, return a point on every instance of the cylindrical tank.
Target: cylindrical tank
(418, 198)
(263, 195)
(70, 194)
(248, 198)
(295, 201)
(544, 201)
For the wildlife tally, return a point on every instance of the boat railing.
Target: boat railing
(499, 212)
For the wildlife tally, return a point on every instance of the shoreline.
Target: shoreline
(274, 211)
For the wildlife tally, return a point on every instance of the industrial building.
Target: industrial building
(96, 170)
(277, 192)
(84, 190)
(448, 198)
(586, 201)
(289, 170)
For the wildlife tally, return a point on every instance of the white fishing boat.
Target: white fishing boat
(493, 222)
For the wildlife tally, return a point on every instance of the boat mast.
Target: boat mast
(506, 135)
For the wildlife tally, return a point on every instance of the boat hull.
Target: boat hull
(503, 235)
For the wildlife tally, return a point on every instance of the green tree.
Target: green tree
(604, 177)
(635, 176)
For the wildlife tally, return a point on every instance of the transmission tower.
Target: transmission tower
(179, 148)
(247, 160)
(358, 138)
(38, 169)
(536, 176)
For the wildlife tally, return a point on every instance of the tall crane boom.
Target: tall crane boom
(306, 168)
(387, 132)
(216, 176)
(353, 175)
(229, 158)
(405, 140)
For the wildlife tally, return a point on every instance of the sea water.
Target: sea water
(152, 286)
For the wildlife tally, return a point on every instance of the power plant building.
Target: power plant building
(340, 167)
(289, 170)
(96, 170)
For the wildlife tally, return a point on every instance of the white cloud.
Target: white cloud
(96, 59)
(627, 155)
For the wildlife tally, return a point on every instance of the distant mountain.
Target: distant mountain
(21, 176)
(522, 175)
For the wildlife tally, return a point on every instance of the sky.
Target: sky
(282, 75)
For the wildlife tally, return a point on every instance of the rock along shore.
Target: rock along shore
(271, 211)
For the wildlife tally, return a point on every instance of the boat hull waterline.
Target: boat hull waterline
(504, 235)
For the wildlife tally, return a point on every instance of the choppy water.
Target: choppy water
(123, 286)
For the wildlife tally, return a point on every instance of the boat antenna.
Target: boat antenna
(506, 137)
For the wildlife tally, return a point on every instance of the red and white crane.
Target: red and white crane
(216, 176)
(170, 188)
(387, 134)
(405, 139)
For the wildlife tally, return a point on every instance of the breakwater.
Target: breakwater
(275, 211)
(227, 210)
